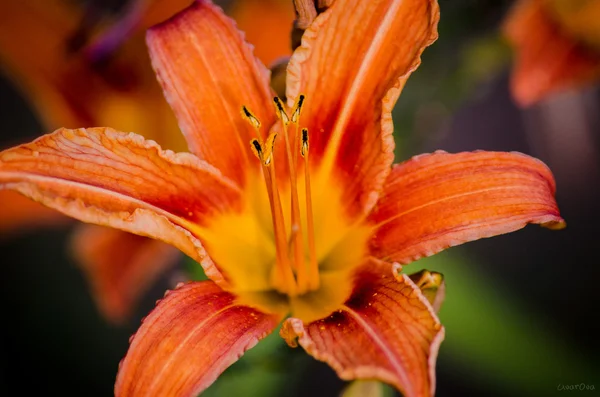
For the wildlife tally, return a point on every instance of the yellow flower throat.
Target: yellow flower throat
(290, 248)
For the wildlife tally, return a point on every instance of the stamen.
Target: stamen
(313, 268)
(291, 276)
(283, 276)
(296, 227)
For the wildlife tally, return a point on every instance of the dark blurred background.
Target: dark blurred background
(520, 311)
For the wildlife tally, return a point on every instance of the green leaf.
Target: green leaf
(193, 269)
(496, 340)
(264, 371)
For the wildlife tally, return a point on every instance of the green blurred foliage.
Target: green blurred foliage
(498, 341)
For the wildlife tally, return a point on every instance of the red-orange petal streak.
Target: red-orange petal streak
(119, 266)
(110, 178)
(208, 73)
(352, 65)
(386, 331)
(435, 201)
(191, 337)
(547, 59)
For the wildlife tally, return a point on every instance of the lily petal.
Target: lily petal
(266, 24)
(119, 266)
(580, 19)
(33, 48)
(69, 90)
(547, 60)
(17, 213)
(387, 331)
(191, 337)
(436, 201)
(115, 179)
(208, 73)
(139, 15)
(352, 65)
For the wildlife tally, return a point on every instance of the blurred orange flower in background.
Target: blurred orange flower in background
(108, 81)
(316, 227)
(556, 44)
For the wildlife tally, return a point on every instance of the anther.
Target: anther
(269, 146)
(297, 109)
(281, 111)
(249, 117)
(256, 149)
(304, 148)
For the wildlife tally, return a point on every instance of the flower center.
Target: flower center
(291, 247)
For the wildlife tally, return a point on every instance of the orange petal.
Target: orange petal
(120, 266)
(18, 213)
(547, 60)
(110, 178)
(33, 48)
(67, 89)
(191, 337)
(208, 73)
(579, 19)
(138, 16)
(352, 65)
(387, 331)
(267, 25)
(436, 201)
(158, 11)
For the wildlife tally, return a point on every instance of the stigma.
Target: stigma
(296, 269)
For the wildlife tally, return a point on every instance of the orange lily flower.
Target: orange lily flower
(302, 216)
(265, 23)
(69, 89)
(557, 45)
